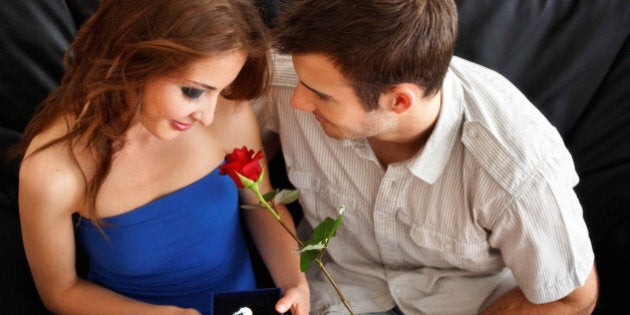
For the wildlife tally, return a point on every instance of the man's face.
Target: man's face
(324, 91)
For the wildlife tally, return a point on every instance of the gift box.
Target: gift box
(252, 302)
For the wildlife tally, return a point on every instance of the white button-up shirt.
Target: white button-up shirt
(487, 204)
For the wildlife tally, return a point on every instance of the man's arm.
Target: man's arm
(581, 301)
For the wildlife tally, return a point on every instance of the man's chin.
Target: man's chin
(334, 132)
(336, 135)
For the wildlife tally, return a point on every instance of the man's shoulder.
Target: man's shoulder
(480, 81)
(502, 130)
(512, 154)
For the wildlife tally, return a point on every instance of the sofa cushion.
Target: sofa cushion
(34, 36)
(557, 52)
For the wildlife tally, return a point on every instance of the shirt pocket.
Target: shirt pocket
(323, 199)
(456, 246)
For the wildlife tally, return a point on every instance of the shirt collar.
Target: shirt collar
(430, 163)
(431, 160)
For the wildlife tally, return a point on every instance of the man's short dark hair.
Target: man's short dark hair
(376, 44)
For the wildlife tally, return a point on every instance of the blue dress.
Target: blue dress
(176, 250)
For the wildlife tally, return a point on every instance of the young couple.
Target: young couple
(459, 193)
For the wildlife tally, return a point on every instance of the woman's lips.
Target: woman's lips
(181, 126)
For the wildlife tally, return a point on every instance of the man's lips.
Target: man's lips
(181, 126)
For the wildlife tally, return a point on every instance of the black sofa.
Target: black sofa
(572, 60)
(570, 57)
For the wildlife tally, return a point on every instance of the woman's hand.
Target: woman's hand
(296, 299)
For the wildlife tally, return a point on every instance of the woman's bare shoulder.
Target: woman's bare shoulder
(237, 125)
(50, 175)
(237, 112)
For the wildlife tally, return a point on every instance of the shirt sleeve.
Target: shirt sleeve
(541, 232)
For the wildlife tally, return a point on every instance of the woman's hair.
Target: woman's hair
(123, 45)
(375, 44)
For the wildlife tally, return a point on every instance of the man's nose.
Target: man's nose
(300, 99)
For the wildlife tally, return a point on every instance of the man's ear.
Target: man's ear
(403, 96)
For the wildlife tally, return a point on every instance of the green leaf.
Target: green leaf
(310, 247)
(287, 196)
(328, 228)
(342, 208)
(306, 258)
(322, 234)
(270, 195)
(324, 231)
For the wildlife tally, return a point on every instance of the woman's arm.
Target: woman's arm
(275, 245)
(276, 249)
(50, 189)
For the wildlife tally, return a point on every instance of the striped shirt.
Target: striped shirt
(487, 204)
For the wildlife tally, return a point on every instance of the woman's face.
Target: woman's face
(174, 104)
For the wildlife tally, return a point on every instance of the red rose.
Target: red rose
(244, 162)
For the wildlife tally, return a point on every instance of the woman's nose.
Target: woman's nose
(205, 114)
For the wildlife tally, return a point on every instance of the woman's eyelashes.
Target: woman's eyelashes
(192, 93)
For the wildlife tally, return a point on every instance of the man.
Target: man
(458, 192)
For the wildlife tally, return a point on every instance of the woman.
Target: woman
(124, 155)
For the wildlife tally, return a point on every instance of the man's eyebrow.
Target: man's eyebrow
(320, 94)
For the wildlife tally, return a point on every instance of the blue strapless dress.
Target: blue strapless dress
(176, 250)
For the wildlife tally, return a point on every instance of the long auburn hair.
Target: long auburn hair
(123, 45)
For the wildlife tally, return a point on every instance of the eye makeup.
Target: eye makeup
(191, 92)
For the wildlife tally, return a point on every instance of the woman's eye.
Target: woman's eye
(191, 92)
